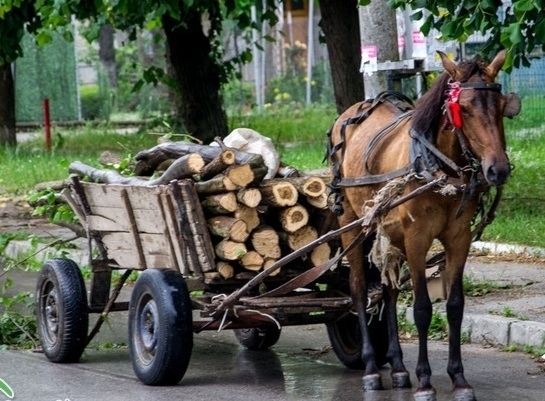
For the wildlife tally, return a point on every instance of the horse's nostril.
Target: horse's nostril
(497, 175)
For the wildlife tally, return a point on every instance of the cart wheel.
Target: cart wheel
(258, 338)
(345, 338)
(160, 327)
(62, 314)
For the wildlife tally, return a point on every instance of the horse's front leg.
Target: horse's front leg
(416, 258)
(456, 255)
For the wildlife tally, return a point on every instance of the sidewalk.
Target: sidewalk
(513, 315)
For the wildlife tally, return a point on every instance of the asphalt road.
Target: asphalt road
(299, 367)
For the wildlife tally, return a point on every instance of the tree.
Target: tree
(521, 29)
(340, 25)
(14, 20)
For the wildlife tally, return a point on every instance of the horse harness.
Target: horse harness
(426, 160)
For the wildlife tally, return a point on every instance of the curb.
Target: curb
(498, 331)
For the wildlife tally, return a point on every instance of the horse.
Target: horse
(453, 144)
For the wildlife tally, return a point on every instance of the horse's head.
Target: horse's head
(476, 106)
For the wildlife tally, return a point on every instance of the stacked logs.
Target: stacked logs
(252, 222)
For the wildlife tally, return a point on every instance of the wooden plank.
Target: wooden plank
(133, 229)
(172, 252)
(107, 195)
(154, 246)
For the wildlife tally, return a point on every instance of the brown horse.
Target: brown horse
(453, 137)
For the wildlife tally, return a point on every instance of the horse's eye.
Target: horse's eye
(465, 110)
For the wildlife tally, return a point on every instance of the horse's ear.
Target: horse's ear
(495, 65)
(449, 65)
(512, 105)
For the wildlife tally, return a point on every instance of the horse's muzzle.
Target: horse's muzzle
(497, 174)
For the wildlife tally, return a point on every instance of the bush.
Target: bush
(92, 102)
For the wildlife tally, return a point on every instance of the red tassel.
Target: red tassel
(455, 114)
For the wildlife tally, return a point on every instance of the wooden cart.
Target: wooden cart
(161, 232)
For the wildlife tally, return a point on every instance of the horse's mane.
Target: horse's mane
(429, 108)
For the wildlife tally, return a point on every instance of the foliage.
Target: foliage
(519, 27)
(91, 102)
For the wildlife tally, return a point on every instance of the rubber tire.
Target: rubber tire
(345, 338)
(160, 327)
(258, 338)
(62, 315)
(345, 333)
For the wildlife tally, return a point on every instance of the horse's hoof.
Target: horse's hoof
(401, 380)
(463, 394)
(425, 395)
(372, 382)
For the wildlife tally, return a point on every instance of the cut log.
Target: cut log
(252, 260)
(103, 176)
(230, 250)
(148, 160)
(220, 203)
(285, 171)
(320, 254)
(264, 240)
(228, 227)
(223, 160)
(249, 215)
(308, 185)
(250, 197)
(241, 175)
(183, 167)
(293, 218)
(269, 262)
(216, 185)
(278, 193)
(305, 235)
(319, 202)
(225, 269)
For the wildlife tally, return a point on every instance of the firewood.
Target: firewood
(320, 254)
(269, 262)
(250, 197)
(241, 175)
(305, 235)
(225, 269)
(308, 185)
(216, 185)
(183, 167)
(103, 176)
(249, 215)
(252, 260)
(228, 227)
(220, 203)
(230, 250)
(285, 171)
(148, 160)
(264, 240)
(319, 202)
(223, 160)
(293, 218)
(276, 192)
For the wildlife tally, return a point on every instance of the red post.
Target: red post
(47, 125)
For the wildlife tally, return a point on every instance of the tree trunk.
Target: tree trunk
(340, 24)
(197, 77)
(7, 107)
(376, 19)
(106, 53)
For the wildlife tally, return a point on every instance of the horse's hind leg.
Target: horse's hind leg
(400, 375)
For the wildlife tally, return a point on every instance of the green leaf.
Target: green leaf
(523, 5)
(515, 34)
(539, 31)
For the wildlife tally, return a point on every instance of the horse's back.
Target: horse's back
(373, 138)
